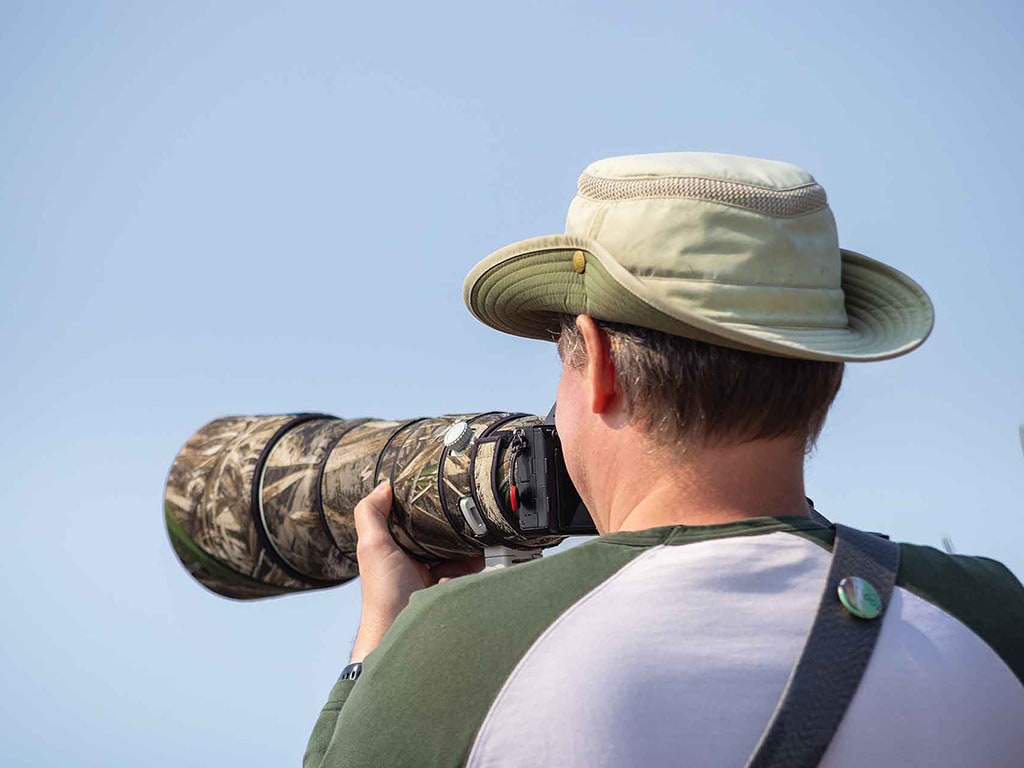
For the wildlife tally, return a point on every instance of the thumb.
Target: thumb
(371, 514)
(379, 499)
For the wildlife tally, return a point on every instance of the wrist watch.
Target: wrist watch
(352, 671)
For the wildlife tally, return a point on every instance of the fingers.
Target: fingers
(371, 516)
(387, 574)
(374, 544)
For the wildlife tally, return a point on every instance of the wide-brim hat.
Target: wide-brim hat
(730, 250)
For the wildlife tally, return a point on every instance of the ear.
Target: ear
(599, 371)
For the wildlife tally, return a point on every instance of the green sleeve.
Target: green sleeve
(323, 731)
(982, 593)
(424, 692)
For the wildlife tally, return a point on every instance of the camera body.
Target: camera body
(544, 497)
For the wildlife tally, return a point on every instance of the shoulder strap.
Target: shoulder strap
(834, 658)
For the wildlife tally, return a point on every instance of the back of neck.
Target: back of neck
(705, 486)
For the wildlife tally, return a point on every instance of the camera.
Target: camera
(257, 506)
(543, 495)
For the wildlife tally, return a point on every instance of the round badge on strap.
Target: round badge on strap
(859, 597)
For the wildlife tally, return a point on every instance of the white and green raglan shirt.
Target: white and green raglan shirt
(671, 647)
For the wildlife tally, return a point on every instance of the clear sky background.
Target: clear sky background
(241, 207)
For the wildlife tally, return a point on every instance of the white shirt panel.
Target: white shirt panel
(680, 659)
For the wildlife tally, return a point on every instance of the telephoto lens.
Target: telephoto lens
(258, 506)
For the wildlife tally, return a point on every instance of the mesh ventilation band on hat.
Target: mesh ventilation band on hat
(773, 202)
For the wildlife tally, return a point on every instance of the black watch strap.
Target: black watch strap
(351, 672)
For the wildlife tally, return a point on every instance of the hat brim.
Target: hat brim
(525, 289)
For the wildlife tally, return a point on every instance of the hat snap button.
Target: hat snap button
(579, 262)
(859, 597)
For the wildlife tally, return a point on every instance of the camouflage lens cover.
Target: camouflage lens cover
(349, 475)
(208, 509)
(457, 480)
(290, 501)
(257, 506)
(418, 521)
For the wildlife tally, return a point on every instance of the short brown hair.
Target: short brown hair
(687, 392)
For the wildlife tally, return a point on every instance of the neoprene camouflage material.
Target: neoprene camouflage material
(262, 505)
(349, 474)
(209, 509)
(457, 480)
(290, 490)
(417, 516)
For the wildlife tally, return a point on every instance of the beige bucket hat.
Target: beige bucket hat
(730, 250)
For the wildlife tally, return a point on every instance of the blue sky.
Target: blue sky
(210, 209)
